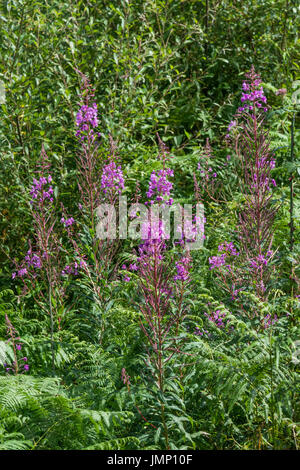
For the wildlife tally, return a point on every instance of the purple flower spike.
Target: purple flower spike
(86, 120)
(112, 180)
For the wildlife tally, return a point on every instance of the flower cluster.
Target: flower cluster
(125, 377)
(131, 267)
(264, 162)
(23, 366)
(20, 273)
(160, 187)
(217, 261)
(253, 99)
(38, 190)
(269, 320)
(67, 222)
(12, 369)
(33, 260)
(86, 120)
(201, 332)
(208, 174)
(72, 268)
(226, 249)
(153, 234)
(262, 181)
(261, 260)
(183, 268)
(151, 247)
(112, 179)
(218, 318)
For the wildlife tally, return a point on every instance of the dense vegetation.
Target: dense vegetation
(124, 344)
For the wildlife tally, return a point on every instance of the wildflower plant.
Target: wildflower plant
(163, 286)
(101, 182)
(249, 139)
(253, 149)
(43, 271)
(88, 138)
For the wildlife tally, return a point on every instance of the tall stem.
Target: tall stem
(51, 323)
(206, 26)
(292, 187)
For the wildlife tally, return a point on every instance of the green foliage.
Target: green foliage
(38, 414)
